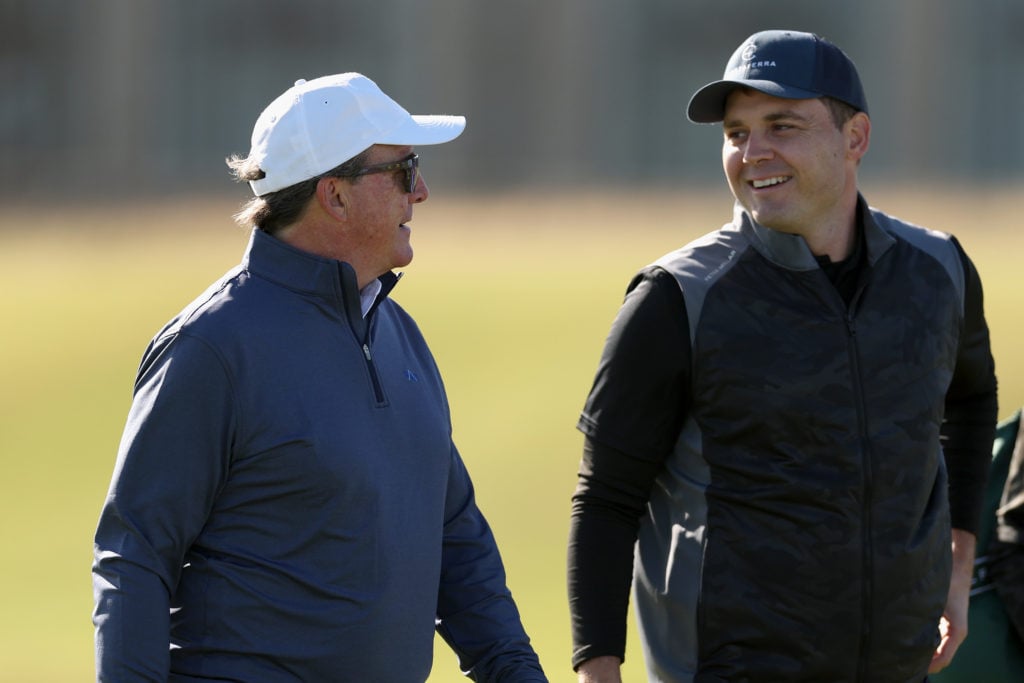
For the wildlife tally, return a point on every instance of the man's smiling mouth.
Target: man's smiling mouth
(768, 182)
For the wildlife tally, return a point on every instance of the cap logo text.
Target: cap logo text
(737, 71)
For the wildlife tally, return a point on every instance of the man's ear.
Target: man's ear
(333, 197)
(859, 127)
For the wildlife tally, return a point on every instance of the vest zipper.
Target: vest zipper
(868, 565)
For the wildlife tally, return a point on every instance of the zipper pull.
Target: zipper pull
(366, 352)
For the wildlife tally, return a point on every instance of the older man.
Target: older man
(287, 503)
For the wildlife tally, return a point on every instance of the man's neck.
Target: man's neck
(837, 243)
(836, 238)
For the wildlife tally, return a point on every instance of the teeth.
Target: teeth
(768, 182)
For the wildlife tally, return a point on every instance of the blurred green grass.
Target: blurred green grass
(515, 294)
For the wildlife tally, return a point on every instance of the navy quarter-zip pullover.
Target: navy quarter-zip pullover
(288, 504)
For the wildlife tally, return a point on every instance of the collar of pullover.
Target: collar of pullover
(307, 273)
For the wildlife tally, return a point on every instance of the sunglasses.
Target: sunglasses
(410, 166)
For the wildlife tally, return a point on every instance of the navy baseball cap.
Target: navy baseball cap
(789, 64)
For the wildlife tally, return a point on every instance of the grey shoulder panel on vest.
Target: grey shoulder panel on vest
(938, 245)
(699, 264)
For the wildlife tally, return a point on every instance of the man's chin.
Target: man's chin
(403, 258)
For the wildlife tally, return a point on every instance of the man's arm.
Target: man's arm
(971, 407)
(171, 460)
(610, 497)
(476, 614)
(606, 669)
(631, 420)
(968, 429)
(953, 625)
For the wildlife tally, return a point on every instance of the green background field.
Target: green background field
(514, 292)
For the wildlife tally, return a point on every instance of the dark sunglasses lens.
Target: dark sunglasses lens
(411, 174)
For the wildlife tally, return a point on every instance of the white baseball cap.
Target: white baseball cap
(317, 125)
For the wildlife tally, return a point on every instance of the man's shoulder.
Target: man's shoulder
(222, 305)
(941, 245)
(705, 258)
(907, 230)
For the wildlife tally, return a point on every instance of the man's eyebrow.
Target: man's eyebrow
(781, 115)
(786, 114)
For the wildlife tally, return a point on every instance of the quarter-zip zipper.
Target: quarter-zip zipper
(378, 390)
(388, 283)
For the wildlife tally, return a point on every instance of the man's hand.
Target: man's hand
(953, 625)
(604, 669)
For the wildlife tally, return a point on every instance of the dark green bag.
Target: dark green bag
(993, 652)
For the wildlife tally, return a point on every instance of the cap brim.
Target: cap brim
(423, 129)
(708, 104)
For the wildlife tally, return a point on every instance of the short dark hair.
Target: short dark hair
(841, 111)
(274, 211)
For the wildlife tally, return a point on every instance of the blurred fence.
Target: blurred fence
(114, 96)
